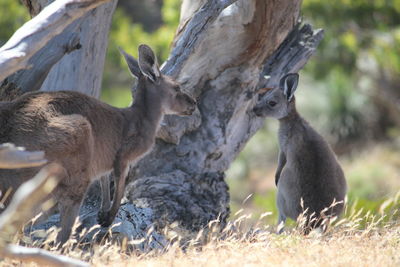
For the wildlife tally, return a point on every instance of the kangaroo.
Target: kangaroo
(89, 138)
(309, 177)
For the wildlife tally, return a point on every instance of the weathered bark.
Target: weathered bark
(12, 157)
(83, 70)
(28, 80)
(80, 71)
(14, 55)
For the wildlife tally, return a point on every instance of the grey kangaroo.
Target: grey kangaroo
(309, 177)
(89, 138)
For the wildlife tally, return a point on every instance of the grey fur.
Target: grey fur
(307, 166)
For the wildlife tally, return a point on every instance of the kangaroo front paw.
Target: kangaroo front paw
(104, 218)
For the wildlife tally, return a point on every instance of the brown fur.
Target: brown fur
(88, 137)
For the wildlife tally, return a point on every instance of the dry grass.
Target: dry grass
(376, 248)
(358, 239)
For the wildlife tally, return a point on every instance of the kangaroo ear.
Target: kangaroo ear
(132, 63)
(289, 84)
(148, 63)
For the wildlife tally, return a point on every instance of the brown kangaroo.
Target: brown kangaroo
(89, 138)
(308, 170)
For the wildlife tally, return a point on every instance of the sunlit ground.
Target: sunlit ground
(358, 238)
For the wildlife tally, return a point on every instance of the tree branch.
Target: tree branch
(193, 33)
(34, 34)
(39, 256)
(12, 157)
(29, 80)
(25, 202)
(292, 54)
(27, 199)
(188, 39)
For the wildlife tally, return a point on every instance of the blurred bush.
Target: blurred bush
(124, 33)
(359, 55)
(12, 16)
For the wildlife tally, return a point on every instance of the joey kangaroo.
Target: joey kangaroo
(307, 166)
(89, 138)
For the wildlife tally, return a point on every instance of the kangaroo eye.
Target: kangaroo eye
(177, 88)
(272, 103)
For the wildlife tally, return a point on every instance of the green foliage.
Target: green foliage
(385, 49)
(170, 11)
(267, 202)
(129, 36)
(351, 27)
(119, 97)
(345, 108)
(369, 213)
(361, 48)
(13, 15)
